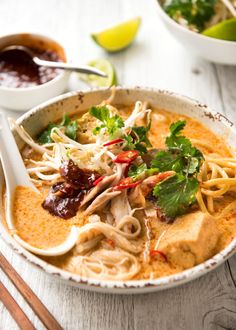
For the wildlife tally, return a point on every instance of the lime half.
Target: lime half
(106, 67)
(225, 30)
(118, 37)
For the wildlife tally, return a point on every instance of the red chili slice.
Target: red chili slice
(158, 252)
(113, 142)
(126, 184)
(96, 182)
(126, 157)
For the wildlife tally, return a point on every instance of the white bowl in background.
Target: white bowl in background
(214, 50)
(25, 98)
(36, 120)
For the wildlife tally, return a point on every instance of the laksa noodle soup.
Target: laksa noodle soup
(149, 193)
(214, 18)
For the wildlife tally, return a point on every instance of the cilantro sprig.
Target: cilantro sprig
(70, 126)
(136, 140)
(112, 123)
(180, 155)
(195, 12)
(176, 194)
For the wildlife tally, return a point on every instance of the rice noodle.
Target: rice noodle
(218, 177)
(108, 264)
(91, 230)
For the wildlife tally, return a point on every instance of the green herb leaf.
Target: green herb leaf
(167, 161)
(175, 140)
(71, 128)
(181, 156)
(177, 127)
(44, 137)
(130, 144)
(142, 132)
(138, 139)
(65, 120)
(176, 194)
(136, 171)
(97, 129)
(101, 113)
(112, 123)
(195, 12)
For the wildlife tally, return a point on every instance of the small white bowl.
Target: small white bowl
(22, 99)
(214, 50)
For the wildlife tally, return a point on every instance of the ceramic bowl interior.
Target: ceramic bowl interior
(35, 120)
(214, 50)
(28, 97)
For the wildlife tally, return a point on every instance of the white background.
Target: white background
(155, 59)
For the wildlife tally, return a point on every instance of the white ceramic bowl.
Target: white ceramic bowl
(36, 119)
(25, 98)
(214, 50)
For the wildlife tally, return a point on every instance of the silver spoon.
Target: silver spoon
(50, 64)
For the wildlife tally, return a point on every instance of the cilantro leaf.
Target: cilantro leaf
(195, 12)
(44, 137)
(167, 161)
(175, 140)
(176, 194)
(142, 132)
(101, 113)
(180, 156)
(71, 128)
(112, 123)
(130, 142)
(65, 120)
(138, 139)
(177, 127)
(136, 171)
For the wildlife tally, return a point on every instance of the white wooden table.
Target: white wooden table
(155, 59)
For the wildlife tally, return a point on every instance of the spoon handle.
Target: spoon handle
(12, 163)
(70, 67)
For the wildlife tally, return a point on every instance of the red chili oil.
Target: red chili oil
(17, 70)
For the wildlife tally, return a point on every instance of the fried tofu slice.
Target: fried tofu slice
(86, 125)
(190, 240)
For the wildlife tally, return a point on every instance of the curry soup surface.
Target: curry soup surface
(39, 228)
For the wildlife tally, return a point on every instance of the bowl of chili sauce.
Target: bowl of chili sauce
(24, 84)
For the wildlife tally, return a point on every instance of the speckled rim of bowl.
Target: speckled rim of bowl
(131, 286)
(166, 17)
(48, 83)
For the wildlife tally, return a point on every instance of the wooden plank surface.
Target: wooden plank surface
(157, 60)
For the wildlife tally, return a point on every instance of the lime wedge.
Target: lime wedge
(119, 36)
(225, 30)
(96, 81)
